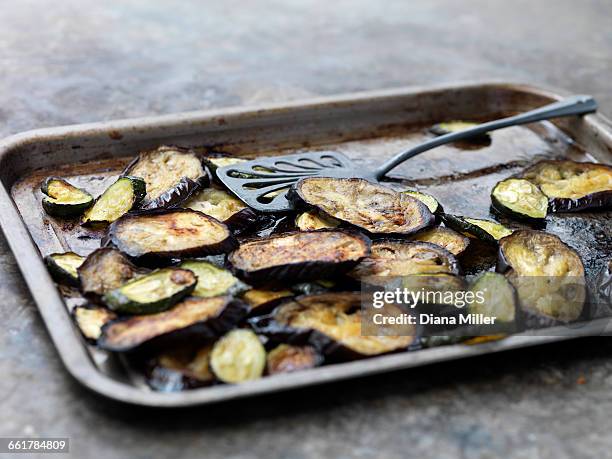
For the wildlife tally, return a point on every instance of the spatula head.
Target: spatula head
(263, 183)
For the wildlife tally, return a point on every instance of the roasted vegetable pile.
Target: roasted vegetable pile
(195, 288)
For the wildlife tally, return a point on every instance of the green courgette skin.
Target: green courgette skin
(139, 189)
(59, 274)
(500, 209)
(458, 223)
(57, 209)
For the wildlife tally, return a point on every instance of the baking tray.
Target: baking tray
(368, 126)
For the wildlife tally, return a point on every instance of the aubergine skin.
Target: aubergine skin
(601, 200)
(300, 270)
(223, 314)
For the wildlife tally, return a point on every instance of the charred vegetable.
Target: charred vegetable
(287, 359)
(193, 321)
(520, 199)
(212, 280)
(224, 207)
(310, 221)
(446, 238)
(104, 270)
(63, 199)
(457, 126)
(171, 234)
(547, 274)
(172, 175)
(499, 301)
(118, 199)
(63, 267)
(238, 356)
(305, 255)
(330, 322)
(369, 206)
(152, 293)
(263, 301)
(403, 258)
(180, 369)
(214, 162)
(572, 186)
(90, 320)
(486, 230)
(432, 203)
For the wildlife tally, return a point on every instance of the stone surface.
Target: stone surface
(76, 61)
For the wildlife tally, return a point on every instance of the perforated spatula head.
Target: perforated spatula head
(263, 183)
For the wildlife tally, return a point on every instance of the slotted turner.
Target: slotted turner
(262, 183)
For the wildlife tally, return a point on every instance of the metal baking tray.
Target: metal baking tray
(369, 127)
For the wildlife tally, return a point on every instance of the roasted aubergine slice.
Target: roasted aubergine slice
(91, 319)
(180, 369)
(571, 186)
(154, 292)
(224, 207)
(446, 238)
(520, 199)
(298, 256)
(104, 270)
(331, 323)
(63, 199)
(262, 301)
(548, 276)
(212, 280)
(238, 356)
(368, 206)
(174, 233)
(118, 199)
(172, 175)
(63, 267)
(193, 321)
(485, 230)
(286, 358)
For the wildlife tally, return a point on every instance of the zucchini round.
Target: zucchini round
(286, 358)
(519, 198)
(212, 280)
(404, 258)
(63, 199)
(214, 162)
(224, 207)
(90, 320)
(432, 203)
(298, 256)
(171, 174)
(368, 206)
(63, 267)
(193, 321)
(238, 356)
(172, 233)
(499, 302)
(571, 186)
(446, 238)
(263, 301)
(155, 292)
(118, 199)
(458, 126)
(180, 369)
(311, 221)
(548, 276)
(486, 230)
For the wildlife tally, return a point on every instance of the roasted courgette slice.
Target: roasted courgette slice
(172, 175)
(572, 186)
(310, 221)
(193, 321)
(486, 230)
(224, 207)
(495, 298)
(63, 267)
(262, 301)
(548, 276)
(214, 162)
(286, 358)
(90, 320)
(63, 199)
(212, 280)
(403, 258)
(432, 203)
(180, 369)
(155, 292)
(303, 255)
(118, 199)
(369, 206)
(172, 233)
(238, 356)
(331, 323)
(446, 238)
(520, 199)
(458, 126)
(104, 270)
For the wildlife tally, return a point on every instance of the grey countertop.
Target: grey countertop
(76, 61)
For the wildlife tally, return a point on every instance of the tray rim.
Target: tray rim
(71, 348)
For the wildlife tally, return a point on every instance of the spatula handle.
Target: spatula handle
(573, 105)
